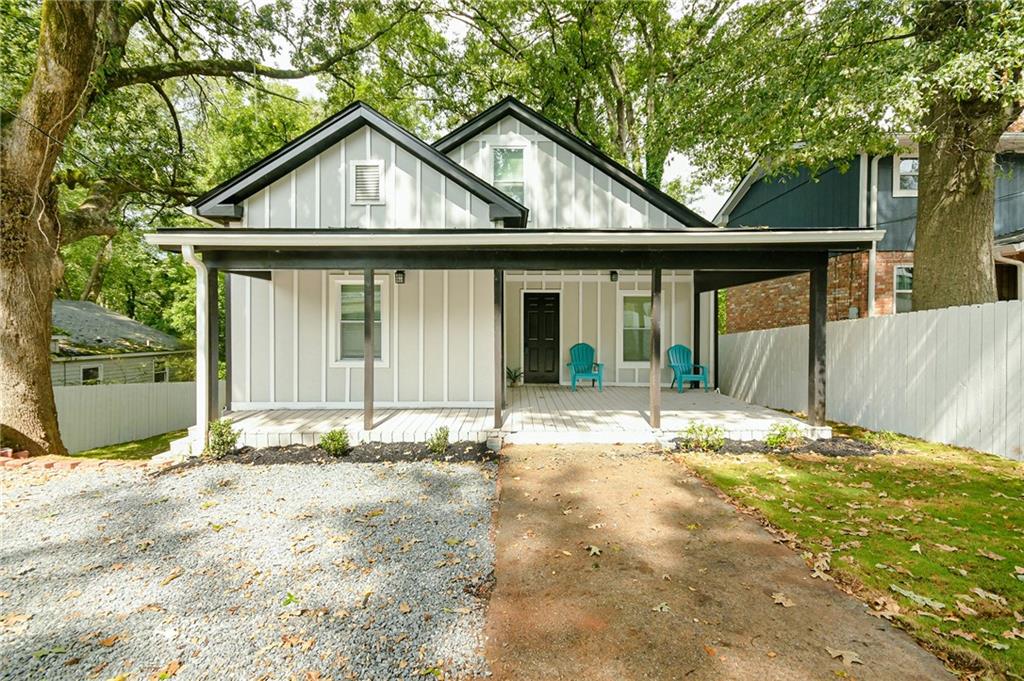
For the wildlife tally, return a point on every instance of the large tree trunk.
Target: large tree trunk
(956, 204)
(30, 231)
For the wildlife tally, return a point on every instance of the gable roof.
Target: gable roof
(510, 106)
(224, 202)
(91, 328)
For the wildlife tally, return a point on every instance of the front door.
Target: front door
(540, 337)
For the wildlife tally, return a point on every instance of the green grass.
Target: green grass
(135, 450)
(875, 513)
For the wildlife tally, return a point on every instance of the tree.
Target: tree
(72, 72)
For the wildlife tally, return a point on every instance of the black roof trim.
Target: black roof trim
(510, 106)
(217, 202)
(484, 230)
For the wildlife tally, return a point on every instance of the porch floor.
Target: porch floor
(536, 414)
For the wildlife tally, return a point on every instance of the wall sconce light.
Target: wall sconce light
(614, 275)
(400, 276)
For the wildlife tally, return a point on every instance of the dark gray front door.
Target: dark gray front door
(540, 337)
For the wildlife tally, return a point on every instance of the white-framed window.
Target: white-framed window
(904, 175)
(508, 171)
(634, 324)
(366, 183)
(902, 287)
(91, 374)
(160, 372)
(346, 327)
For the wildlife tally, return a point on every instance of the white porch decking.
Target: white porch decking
(536, 414)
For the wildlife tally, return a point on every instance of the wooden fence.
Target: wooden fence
(99, 415)
(954, 375)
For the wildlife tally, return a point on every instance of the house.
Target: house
(874, 192)
(91, 344)
(502, 244)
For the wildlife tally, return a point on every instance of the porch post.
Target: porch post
(816, 344)
(696, 324)
(499, 347)
(227, 342)
(655, 380)
(202, 343)
(368, 353)
(715, 348)
(213, 344)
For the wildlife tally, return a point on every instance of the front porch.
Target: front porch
(535, 414)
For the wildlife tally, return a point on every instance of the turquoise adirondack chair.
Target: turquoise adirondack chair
(680, 360)
(582, 365)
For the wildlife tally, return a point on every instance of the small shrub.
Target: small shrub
(335, 442)
(782, 435)
(513, 375)
(438, 442)
(702, 437)
(886, 440)
(222, 439)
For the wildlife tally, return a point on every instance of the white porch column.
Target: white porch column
(202, 344)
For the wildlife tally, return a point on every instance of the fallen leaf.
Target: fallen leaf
(991, 556)
(966, 609)
(109, 641)
(916, 548)
(404, 608)
(848, 656)
(965, 635)
(594, 551)
(710, 651)
(661, 607)
(175, 573)
(780, 599)
(946, 547)
(917, 598)
(13, 618)
(452, 541)
(995, 598)
(168, 670)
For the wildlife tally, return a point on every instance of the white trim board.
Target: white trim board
(334, 285)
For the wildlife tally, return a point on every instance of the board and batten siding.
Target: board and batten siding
(317, 194)
(440, 335)
(562, 190)
(588, 310)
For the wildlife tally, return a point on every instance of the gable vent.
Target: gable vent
(366, 182)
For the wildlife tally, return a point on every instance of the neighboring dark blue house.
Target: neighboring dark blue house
(878, 192)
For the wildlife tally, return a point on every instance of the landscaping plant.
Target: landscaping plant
(438, 442)
(335, 442)
(702, 437)
(222, 439)
(783, 435)
(513, 375)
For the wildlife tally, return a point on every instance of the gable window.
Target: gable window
(160, 373)
(904, 175)
(507, 170)
(347, 321)
(635, 329)
(366, 182)
(903, 286)
(92, 374)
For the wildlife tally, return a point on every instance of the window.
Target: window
(904, 175)
(160, 373)
(635, 323)
(347, 327)
(365, 187)
(903, 285)
(508, 172)
(92, 374)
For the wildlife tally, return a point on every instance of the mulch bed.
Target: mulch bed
(837, 447)
(369, 452)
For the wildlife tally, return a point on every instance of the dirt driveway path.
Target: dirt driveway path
(682, 589)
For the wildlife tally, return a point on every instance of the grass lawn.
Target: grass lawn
(134, 450)
(936, 531)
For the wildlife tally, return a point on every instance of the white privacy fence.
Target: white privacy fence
(954, 375)
(99, 415)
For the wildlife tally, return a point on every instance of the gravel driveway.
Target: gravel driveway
(363, 571)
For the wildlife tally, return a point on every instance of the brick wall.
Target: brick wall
(783, 302)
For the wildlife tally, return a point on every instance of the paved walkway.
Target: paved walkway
(683, 587)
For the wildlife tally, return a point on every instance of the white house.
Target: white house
(501, 245)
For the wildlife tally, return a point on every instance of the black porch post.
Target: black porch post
(499, 347)
(368, 316)
(213, 344)
(696, 324)
(655, 380)
(816, 343)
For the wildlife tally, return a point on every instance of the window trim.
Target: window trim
(525, 147)
(377, 163)
(898, 191)
(81, 372)
(621, 363)
(334, 319)
(895, 279)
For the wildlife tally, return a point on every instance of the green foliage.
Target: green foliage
(513, 375)
(221, 440)
(885, 440)
(335, 442)
(438, 442)
(702, 437)
(135, 450)
(783, 435)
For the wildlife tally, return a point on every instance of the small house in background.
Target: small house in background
(91, 344)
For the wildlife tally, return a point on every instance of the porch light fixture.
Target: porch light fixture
(614, 275)
(399, 276)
